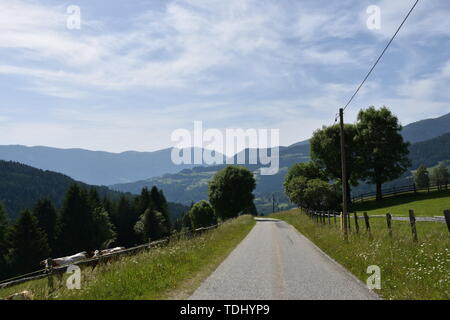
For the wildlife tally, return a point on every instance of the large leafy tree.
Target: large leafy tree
(230, 191)
(295, 189)
(308, 170)
(384, 153)
(47, 217)
(326, 153)
(77, 225)
(202, 215)
(320, 195)
(28, 244)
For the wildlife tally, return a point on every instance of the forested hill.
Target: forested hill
(21, 186)
(430, 152)
(426, 129)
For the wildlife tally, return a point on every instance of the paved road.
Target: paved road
(275, 262)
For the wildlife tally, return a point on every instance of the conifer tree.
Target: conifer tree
(46, 214)
(28, 244)
(76, 231)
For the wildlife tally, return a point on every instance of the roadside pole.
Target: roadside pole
(344, 176)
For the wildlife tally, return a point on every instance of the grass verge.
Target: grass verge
(408, 270)
(170, 272)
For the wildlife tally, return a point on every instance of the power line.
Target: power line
(382, 53)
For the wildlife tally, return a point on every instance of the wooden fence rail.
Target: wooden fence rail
(413, 188)
(50, 272)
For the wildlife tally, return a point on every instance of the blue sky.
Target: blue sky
(137, 70)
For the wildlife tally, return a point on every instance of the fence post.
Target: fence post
(447, 219)
(349, 225)
(366, 220)
(389, 223)
(329, 218)
(356, 223)
(412, 220)
(49, 270)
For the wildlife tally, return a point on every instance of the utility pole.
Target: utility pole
(273, 203)
(344, 175)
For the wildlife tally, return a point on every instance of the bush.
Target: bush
(202, 215)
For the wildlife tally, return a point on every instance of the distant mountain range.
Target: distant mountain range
(426, 129)
(130, 171)
(105, 168)
(96, 167)
(192, 184)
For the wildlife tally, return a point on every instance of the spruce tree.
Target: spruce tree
(125, 217)
(160, 204)
(28, 244)
(46, 214)
(76, 231)
(104, 234)
(4, 225)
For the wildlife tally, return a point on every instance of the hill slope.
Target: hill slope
(21, 186)
(426, 129)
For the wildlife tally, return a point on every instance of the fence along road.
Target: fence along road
(275, 262)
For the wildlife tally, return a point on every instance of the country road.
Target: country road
(275, 262)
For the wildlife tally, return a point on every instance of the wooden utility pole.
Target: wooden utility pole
(344, 175)
(273, 203)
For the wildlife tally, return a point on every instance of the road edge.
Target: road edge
(337, 264)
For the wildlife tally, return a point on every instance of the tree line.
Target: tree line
(438, 176)
(374, 150)
(86, 223)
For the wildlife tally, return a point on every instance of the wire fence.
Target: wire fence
(52, 271)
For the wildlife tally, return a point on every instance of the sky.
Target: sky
(135, 71)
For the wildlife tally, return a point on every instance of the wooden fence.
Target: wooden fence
(50, 272)
(330, 217)
(413, 188)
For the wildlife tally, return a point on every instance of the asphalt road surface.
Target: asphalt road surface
(275, 262)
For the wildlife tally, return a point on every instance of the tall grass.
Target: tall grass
(173, 271)
(408, 270)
